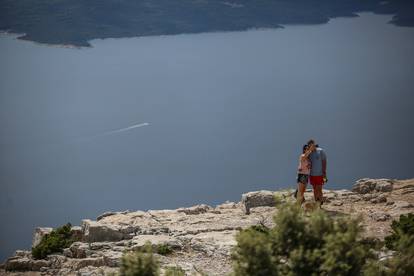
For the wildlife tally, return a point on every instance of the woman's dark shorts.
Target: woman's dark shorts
(303, 178)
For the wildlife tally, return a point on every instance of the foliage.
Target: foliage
(163, 249)
(301, 245)
(174, 271)
(404, 226)
(53, 242)
(139, 263)
(403, 263)
(402, 241)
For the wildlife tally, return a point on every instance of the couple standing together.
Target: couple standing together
(312, 169)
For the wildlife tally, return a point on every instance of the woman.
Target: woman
(303, 172)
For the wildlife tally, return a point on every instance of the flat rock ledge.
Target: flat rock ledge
(201, 237)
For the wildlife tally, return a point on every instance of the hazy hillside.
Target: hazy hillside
(77, 21)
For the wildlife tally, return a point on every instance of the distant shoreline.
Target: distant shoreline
(74, 24)
(21, 36)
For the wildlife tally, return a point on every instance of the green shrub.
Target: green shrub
(405, 226)
(301, 245)
(54, 242)
(402, 241)
(141, 262)
(252, 255)
(174, 271)
(163, 249)
(403, 262)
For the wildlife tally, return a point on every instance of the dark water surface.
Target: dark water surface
(227, 113)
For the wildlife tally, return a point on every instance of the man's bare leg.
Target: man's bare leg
(315, 192)
(318, 193)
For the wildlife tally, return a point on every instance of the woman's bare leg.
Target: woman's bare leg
(301, 192)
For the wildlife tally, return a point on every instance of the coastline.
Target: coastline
(22, 36)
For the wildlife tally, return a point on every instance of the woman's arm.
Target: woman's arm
(306, 154)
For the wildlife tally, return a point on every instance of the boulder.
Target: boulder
(337, 203)
(368, 197)
(94, 231)
(77, 264)
(101, 245)
(80, 250)
(56, 261)
(112, 258)
(195, 210)
(402, 205)
(140, 240)
(257, 199)
(367, 185)
(39, 233)
(22, 253)
(17, 264)
(227, 205)
(379, 199)
(108, 214)
(24, 264)
(380, 216)
(36, 265)
(385, 185)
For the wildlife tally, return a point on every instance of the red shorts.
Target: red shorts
(316, 179)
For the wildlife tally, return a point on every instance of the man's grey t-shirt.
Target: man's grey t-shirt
(316, 158)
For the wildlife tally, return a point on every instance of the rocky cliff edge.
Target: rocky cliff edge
(201, 236)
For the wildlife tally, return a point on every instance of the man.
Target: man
(318, 170)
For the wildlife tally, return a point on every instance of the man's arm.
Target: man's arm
(324, 163)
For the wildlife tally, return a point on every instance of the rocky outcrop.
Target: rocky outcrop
(95, 231)
(201, 237)
(195, 210)
(256, 199)
(368, 185)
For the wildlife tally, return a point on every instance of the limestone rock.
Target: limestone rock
(140, 240)
(80, 250)
(227, 205)
(23, 253)
(380, 216)
(384, 186)
(101, 245)
(77, 264)
(368, 197)
(379, 199)
(195, 210)
(112, 258)
(337, 203)
(24, 264)
(94, 231)
(402, 205)
(56, 261)
(39, 233)
(202, 237)
(256, 199)
(367, 185)
(107, 214)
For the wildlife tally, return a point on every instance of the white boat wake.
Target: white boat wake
(112, 132)
(124, 129)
